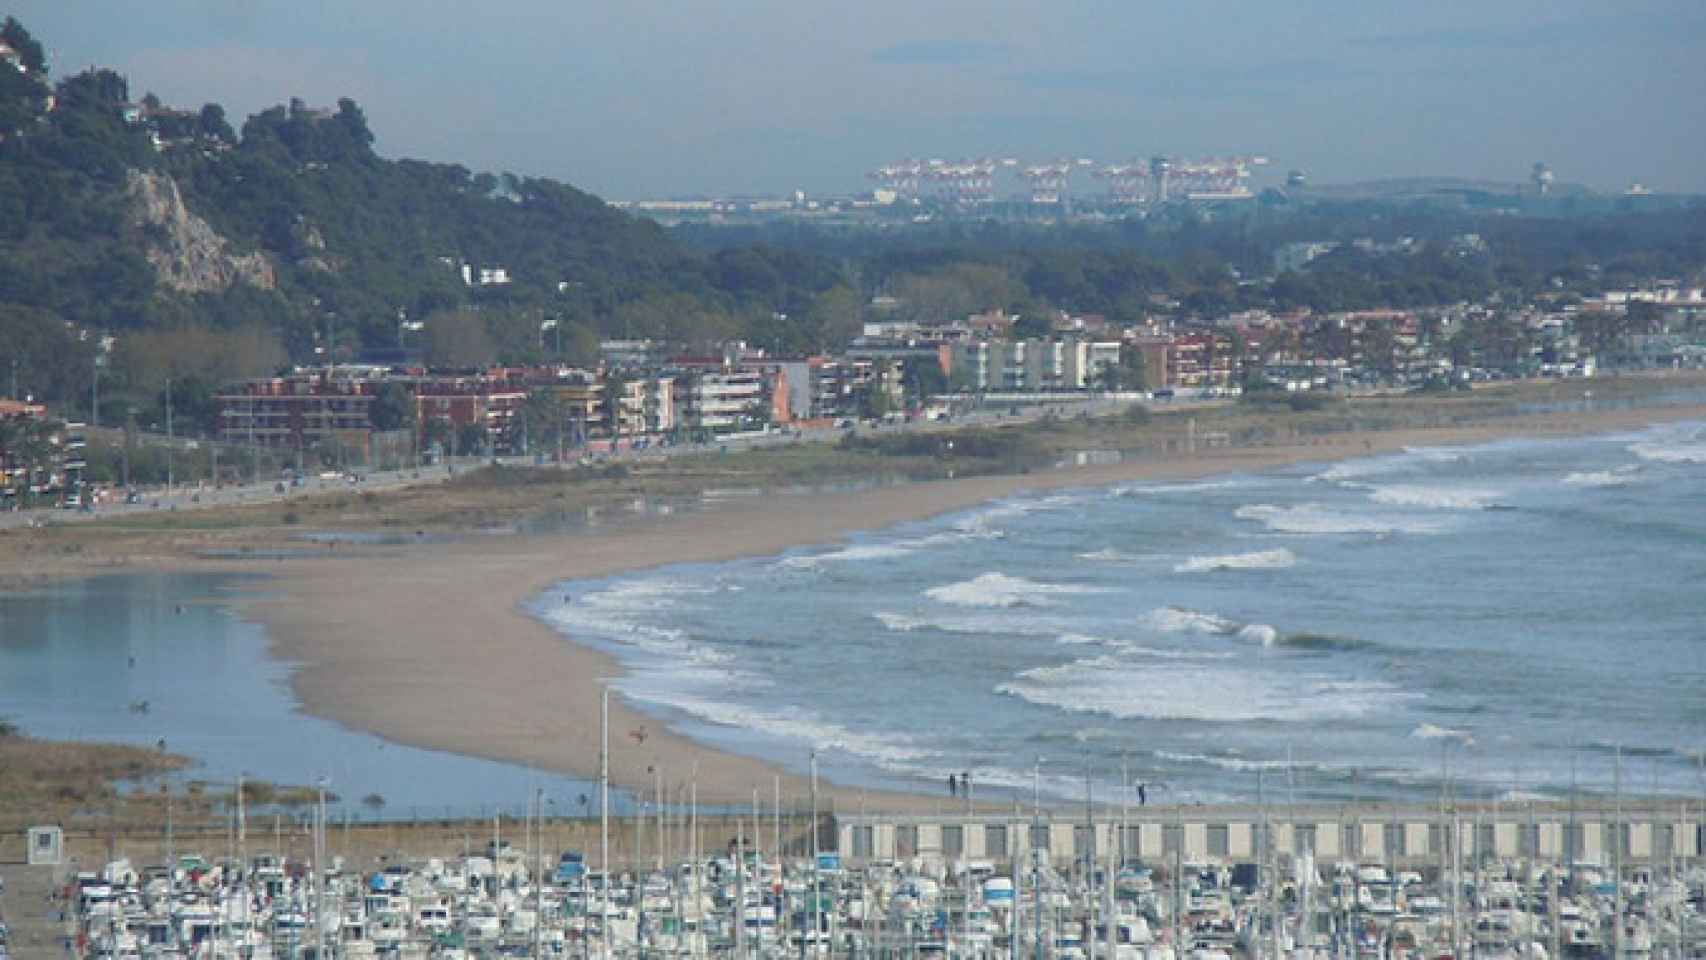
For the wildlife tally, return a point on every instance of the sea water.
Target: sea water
(1504, 619)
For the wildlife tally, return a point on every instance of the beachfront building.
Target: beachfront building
(829, 388)
(299, 410)
(310, 408)
(728, 401)
(1051, 365)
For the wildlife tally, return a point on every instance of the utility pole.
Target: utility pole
(169, 441)
(604, 819)
(1089, 859)
(816, 923)
(129, 426)
(95, 391)
(1617, 858)
(1036, 854)
(740, 888)
(539, 873)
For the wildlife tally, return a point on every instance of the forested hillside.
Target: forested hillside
(122, 215)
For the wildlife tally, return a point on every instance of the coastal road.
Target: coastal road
(198, 496)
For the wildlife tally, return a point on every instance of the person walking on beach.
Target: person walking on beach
(1142, 799)
(953, 786)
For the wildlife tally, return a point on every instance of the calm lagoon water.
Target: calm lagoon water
(77, 660)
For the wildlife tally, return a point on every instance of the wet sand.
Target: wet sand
(430, 645)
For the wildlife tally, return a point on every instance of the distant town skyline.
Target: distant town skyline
(769, 96)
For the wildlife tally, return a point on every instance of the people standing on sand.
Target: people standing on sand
(953, 786)
(1142, 798)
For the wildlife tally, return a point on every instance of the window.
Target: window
(1394, 839)
(1083, 842)
(1133, 842)
(1486, 843)
(1039, 836)
(995, 840)
(953, 840)
(1219, 840)
(862, 842)
(906, 841)
(1172, 839)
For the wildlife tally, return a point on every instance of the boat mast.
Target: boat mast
(604, 818)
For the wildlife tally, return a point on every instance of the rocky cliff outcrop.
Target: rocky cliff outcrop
(188, 255)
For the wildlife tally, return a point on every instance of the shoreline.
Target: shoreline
(433, 646)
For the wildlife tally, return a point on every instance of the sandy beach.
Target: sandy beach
(429, 645)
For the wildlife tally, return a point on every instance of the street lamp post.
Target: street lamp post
(169, 441)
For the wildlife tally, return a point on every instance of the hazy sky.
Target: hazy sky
(646, 97)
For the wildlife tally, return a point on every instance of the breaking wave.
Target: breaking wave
(1620, 477)
(1672, 452)
(1108, 555)
(872, 551)
(1257, 560)
(1001, 590)
(1110, 686)
(1180, 620)
(1433, 498)
(1313, 518)
(1429, 731)
(1160, 489)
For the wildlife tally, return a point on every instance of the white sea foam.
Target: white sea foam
(1162, 653)
(648, 594)
(1181, 620)
(899, 622)
(1105, 555)
(1110, 686)
(1258, 560)
(1313, 518)
(857, 552)
(1676, 451)
(1237, 764)
(1000, 590)
(1160, 489)
(1429, 731)
(1258, 633)
(1620, 477)
(886, 749)
(1007, 623)
(1433, 498)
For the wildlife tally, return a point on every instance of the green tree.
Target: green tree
(393, 407)
(458, 338)
(580, 345)
(835, 317)
(29, 48)
(438, 430)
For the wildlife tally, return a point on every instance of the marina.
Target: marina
(1156, 884)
